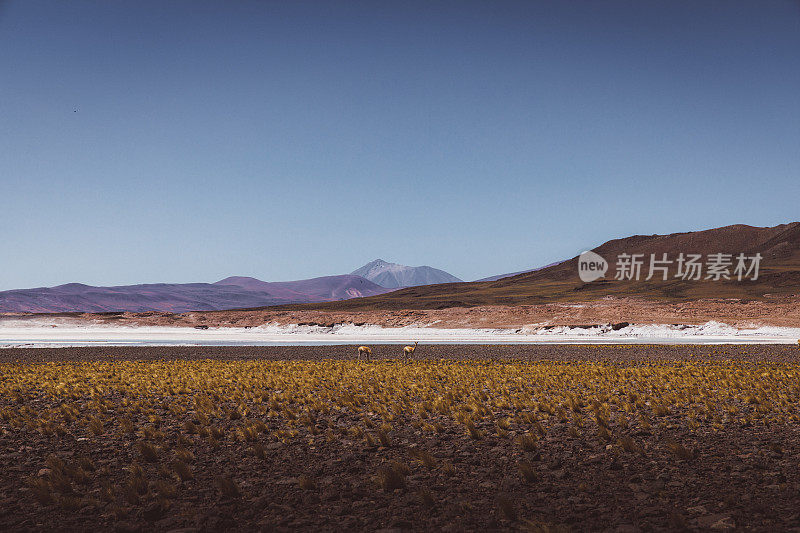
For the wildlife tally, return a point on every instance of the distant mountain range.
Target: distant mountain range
(428, 287)
(234, 292)
(392, 275)
(229, 293)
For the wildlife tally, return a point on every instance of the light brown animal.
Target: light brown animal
(408, 351)
(366, 351)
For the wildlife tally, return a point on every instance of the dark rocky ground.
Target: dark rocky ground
(788, 353)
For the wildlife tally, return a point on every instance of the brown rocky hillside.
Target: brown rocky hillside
(779, 274)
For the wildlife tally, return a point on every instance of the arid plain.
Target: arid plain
(466, 437)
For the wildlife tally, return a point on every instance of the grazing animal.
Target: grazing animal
(366, 351)
(408, 351)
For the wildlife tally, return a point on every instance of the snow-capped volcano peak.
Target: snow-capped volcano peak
(379, 266)
(393, 275)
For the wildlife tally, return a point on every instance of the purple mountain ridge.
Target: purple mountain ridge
(511, 274)
(229, 293)
(324, 289)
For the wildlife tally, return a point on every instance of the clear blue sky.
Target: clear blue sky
(189, 141)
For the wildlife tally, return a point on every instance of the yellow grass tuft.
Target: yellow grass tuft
(423, 457)
(148, 451)
(306, 482)
(392, 476)
(228, 488)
